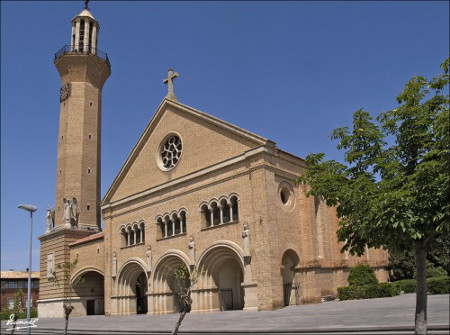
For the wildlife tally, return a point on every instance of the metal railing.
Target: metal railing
(75, 49)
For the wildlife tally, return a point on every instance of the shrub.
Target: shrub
(439, 285)
(362, 275)
(380, 290)
(435, 271)
(406, 285)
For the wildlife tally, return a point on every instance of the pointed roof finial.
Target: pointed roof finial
(86, 2)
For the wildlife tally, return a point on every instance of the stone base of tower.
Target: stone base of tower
(54, 251)
(50, 308)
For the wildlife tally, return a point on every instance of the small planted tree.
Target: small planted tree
(17, 308)
(186, 280)
(66, 285)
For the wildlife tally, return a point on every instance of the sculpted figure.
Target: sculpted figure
(245, 239)
(50, 219)
(114, 264)
(192, 250)
(149, 258)
(70, 212)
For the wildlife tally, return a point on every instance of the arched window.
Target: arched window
(216, 213)
(124, 239)
(162, 227)
(137, 232)
(142, 228)
(131, 236)
(225, 208)
(183, 221)
(206, 216)
(169, 225)
(234, 208)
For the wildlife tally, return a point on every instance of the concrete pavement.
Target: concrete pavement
(373, 316)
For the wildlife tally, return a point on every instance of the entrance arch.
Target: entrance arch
(221, 274)
(89, 296)
(132, 287)
(165, 295)
(289, 261)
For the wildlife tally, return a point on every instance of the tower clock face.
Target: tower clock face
(64, 92)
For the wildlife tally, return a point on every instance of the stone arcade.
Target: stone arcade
(235, 214)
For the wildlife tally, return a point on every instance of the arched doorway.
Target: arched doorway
(291, 293)
(88, 293)
(132, 289)
(220, 277)
(165, 297)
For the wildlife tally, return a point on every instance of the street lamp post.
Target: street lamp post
(31, 209)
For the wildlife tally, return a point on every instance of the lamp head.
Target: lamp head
(29, 208)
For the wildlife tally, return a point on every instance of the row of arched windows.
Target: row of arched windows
(133, 233)
(213, 213)
(172, 224)
(217, 212)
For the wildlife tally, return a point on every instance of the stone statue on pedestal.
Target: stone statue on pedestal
(192, 250)
(70, 215)
(149, 258)
(245, 239)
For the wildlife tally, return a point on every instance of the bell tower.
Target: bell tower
(83, 70)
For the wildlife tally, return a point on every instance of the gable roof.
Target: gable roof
(258, 140)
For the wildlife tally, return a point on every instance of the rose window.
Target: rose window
(171, 152)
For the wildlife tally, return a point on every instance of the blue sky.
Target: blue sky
(288, 71)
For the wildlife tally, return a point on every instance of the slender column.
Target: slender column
(72, 38)
(141, 231)
(230, 204)
(86, 35)
(211, 213)
(128, 238)
(181, 224)
(94, 40)
(221, 213)
(77, 35)
(165, 228)
(173, 226)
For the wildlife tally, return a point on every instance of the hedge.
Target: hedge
(438, 285)
(406, 285)
(6, 313)
(380, 290)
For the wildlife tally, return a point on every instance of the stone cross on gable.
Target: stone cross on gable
(169, 81)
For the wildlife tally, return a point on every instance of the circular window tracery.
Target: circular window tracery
(170, 152)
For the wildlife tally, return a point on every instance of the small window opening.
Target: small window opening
(88, 207)
(90, 104)
(89, 170)
(284, 195)
(90, 136)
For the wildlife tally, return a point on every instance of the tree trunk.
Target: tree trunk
(180, 319)
(14, 324)
(67, 311)
(421, 295)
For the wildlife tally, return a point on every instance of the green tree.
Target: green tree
(17, 307)
(186, 280)
(393, 189)
(65, 284)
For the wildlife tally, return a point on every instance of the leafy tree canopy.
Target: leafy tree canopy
(394, 186)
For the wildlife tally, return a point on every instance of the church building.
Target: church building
(234, 215)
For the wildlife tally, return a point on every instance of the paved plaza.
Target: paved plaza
(393, 315)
